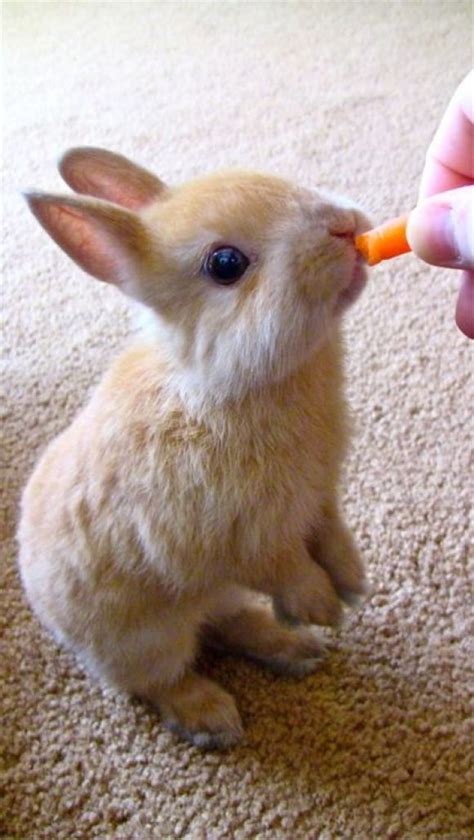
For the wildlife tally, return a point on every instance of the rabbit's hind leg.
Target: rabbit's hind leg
(155, 663)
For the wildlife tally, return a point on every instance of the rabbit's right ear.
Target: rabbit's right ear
(112, 177)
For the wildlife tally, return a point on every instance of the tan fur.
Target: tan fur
(206, 465)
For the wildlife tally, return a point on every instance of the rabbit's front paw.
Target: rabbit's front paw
(333, 548)
(309, 598)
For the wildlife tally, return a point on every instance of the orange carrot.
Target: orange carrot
(385, 241)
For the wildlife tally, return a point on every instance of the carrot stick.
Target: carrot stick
(385, 241)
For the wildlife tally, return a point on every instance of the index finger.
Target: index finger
(450, 157)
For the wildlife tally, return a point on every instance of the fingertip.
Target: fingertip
(465, 305)
(440, 230)
(430, 233)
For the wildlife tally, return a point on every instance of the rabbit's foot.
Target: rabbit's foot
(250, 629)
(201, 711)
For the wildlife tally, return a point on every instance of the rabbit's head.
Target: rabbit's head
(244, 274)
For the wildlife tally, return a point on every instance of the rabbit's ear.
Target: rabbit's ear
(107, 241)
(112, 177)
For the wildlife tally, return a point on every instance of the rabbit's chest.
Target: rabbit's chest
(252, 490)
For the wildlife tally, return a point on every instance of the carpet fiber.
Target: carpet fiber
(345, 95)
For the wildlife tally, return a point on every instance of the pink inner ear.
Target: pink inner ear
(133, 196)
(81, 237)
(110, 176)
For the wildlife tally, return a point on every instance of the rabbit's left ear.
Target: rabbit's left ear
(106, 175)
(107, 241)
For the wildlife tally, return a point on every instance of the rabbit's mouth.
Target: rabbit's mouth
(353, 288)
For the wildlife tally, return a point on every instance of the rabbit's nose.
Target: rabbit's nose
(343, 225)
(348, 228)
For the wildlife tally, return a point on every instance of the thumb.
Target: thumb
(441, 229)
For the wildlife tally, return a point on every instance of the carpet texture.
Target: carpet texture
(342, 95)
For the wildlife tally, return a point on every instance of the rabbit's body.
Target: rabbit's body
(148, 522)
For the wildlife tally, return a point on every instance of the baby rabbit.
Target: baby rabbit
(204, 470)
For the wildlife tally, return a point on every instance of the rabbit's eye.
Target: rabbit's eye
(226, 265)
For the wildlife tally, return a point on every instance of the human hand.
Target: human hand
(441, 228)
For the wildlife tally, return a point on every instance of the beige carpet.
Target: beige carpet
(340, 94)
